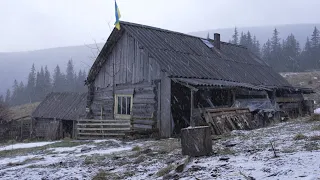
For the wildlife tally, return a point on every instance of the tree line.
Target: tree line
(40, 83)
(284, 55)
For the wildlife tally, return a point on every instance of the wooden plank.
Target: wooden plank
(145, 95)
(288, 99)
(143, 101)
(104, 124)
(104, 121)
(143, 122)
(101, 134)
(224, 109)
(141, 126)
(103, 129)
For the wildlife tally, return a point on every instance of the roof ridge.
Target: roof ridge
(176, 32)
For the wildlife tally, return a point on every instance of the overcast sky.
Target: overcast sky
(39, 24)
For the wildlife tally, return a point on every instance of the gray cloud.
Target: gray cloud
(38, 24)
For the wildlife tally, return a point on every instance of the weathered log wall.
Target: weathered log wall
(128, 63)
(47, 129)
(144, 108)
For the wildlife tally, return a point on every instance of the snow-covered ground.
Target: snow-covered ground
(25, 145)
(239, 155)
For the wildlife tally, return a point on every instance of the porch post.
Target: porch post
(192, 123)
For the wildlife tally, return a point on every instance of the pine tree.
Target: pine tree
(30, 89)
(256, 47)
(275, 41)
(315, 38)
(266, 52)
(21, 94)
(8, 97)
(47, 81)
(70, 76)
(59, 82)
(243, 39)
(1, 99)
(14, 98)
(235, 36)
(291, 52)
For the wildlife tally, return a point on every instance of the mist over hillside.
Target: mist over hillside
(263, 33)
(17, 65)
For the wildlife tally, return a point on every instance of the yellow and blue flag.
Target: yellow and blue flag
(118, 16)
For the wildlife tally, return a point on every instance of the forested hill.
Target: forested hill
(301, 31)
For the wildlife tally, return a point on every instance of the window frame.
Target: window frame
(116, 103)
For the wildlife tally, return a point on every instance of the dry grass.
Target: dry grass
(314, 117)
(103, 175)
(314, 138)
(316, 128)
(136, 148)
(299, 137)
(165, 170)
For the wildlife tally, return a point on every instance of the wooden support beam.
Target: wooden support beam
(192, 123)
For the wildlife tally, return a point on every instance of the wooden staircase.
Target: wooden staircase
(97, 129)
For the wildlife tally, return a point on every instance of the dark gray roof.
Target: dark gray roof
(61, 105)
(185, 56)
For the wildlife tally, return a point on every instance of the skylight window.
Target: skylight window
(208, 43)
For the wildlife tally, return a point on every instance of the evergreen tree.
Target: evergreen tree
(276, 52)
(58, 80)
(47, 81)
(14, 98)
(315, 39)
(8, 97)
(291, 52)
(70, 78)
(235, 36)
(256, 47)
(266, 52)
(30, 89)
(243, 39)
(21, 98)
(40, 85)
(1, 99)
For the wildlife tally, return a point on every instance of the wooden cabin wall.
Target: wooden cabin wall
(144, 108)
(131, 64)
(47, 129)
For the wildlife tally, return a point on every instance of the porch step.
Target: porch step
(100, 128)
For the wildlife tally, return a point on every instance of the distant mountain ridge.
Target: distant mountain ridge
(17, 65)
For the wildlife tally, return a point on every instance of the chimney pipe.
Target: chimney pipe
(216, 41)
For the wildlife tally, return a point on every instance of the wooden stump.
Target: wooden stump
(196, 141)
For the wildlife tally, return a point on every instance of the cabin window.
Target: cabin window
(123, 104)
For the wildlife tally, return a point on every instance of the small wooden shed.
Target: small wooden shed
(57, 114)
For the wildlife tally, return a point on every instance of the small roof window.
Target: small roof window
(208, 43)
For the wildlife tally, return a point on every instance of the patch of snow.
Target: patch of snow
(317, 111)
(25, 145)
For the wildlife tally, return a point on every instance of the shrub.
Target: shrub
(314, 117)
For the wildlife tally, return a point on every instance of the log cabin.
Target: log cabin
(148, 79)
